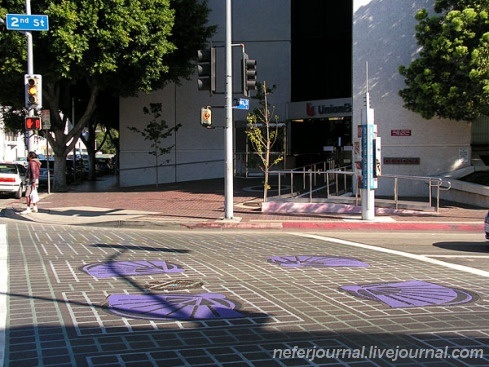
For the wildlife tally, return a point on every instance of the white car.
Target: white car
(12, 177)
(22, 161)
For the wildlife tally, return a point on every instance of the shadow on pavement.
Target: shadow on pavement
(464, 246)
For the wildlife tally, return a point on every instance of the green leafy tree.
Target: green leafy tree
(115, 46)
(262, 131)
(107, 140)
(156, 131)
(450, 78)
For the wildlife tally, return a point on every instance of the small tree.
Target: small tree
(156, 131)
(262, 133)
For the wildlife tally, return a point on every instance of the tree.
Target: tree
(262, 132)
(102, 130)
(120, 47)
(156, 131)
(450, 78)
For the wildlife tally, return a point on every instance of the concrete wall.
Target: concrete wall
(383, 37)
(264, 28)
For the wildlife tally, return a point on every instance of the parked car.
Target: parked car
(12, 179)
(103, 165)
(486, 225)
(70, 171)
(43, 172)
(22, 161)
(70, 176)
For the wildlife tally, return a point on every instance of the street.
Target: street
(89, 296)
(462, 248)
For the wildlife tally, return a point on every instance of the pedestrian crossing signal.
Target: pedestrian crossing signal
(32, 123)
(206, 116)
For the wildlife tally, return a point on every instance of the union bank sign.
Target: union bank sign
(341, 107)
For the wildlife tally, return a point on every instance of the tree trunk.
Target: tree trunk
(60, 174)
(63, 143)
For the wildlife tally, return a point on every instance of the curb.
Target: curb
(396, 226)
(347, 226)
(334, 225)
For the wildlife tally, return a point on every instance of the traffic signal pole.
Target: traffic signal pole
(30, 69)
(228, 135)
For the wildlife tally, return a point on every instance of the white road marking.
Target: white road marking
(424, 258)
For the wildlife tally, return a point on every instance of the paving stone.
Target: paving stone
(64, 315)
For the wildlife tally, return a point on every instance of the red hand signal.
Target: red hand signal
(32, 123)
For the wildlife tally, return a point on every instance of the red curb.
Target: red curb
(398, 226)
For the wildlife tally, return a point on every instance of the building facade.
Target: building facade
(321, 57)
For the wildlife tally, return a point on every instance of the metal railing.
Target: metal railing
(310, 180)
(248, 163)
(322, 181)
(435, 183)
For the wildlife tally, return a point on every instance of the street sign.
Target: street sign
(241, 104)
(27, 22)
(45, 119)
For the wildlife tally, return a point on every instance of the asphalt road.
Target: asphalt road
(87, 296)
(458, 248)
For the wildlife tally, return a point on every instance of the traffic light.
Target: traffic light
(206, 69)
(33, 91)
(248, 79)
(33, 123)
(206, 116)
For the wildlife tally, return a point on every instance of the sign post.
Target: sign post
(228, 134)
(28, 22)
(368, 182)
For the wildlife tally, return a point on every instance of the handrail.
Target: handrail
(332, 177)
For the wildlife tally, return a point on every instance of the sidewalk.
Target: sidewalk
(200, 204)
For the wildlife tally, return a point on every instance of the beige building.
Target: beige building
(316, 54)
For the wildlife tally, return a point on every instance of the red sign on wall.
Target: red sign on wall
(401, 132)
(402, 160)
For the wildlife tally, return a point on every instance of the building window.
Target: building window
(321, 33)
(10, 136)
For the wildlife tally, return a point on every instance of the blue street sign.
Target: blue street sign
(241, 104)
(27, 22)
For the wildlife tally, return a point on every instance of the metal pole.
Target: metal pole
(48, 162)
(228, 190)
(30, 68)
(74, 147)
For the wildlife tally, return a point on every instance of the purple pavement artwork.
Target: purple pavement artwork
(297, 261)
(172, 306)
(412, 293)
(130, 268)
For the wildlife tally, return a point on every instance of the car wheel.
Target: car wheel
(18, 194)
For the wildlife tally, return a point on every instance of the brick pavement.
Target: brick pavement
(201, 204)
(89, 296)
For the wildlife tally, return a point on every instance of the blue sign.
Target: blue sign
(27, 22)
(368, 181)
(242, 104)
